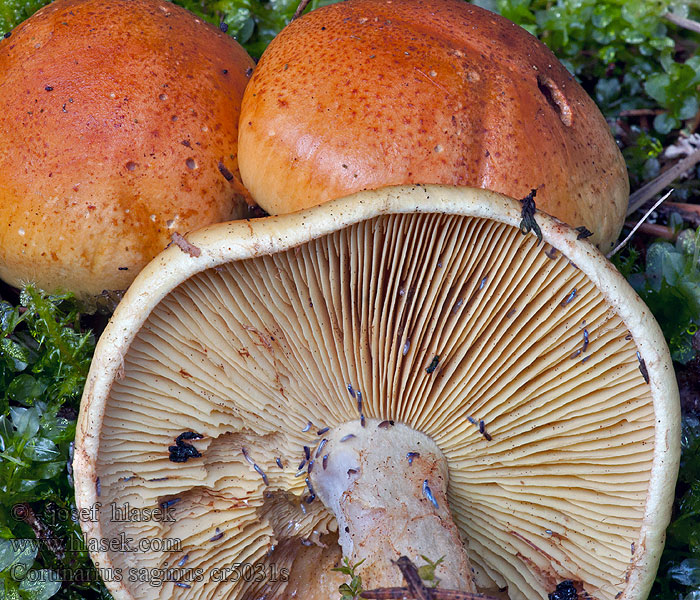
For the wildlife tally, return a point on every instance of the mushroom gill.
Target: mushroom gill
(513, 359)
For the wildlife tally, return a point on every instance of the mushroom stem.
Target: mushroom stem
(387, 487)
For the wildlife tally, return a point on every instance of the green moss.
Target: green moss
(44, 360)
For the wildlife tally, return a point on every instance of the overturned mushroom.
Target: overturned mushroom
(366, 373)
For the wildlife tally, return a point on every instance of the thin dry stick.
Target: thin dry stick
(641, 112)
(644, 218)
(434, 594)
(416, 589)
(688, 24)
(655, 230)
(648, 191)
(689, 212)
(300, 9)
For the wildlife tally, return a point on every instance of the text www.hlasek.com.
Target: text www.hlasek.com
(178, 574)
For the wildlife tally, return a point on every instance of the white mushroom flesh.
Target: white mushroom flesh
(386, 485)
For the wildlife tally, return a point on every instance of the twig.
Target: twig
(397, 593)
(684, 207)
(688, 24)
(400, 593)
(641, 112)
(688, 212)
(300, 9)
(648, 191)
(416, 589)
(644, 218)
(654, 230)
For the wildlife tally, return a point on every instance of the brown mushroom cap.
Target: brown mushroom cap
(253, 344)
(118, 127)
(362, 94)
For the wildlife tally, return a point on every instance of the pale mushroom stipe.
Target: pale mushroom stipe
(538, 471)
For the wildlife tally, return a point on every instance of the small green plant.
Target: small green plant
(670, 286)
(642, 154)
(252, 22)
(631, 59)
(625, 49)
(44, 360)
(13, 12)
(427, 571)
(679, 569)
(353, 589)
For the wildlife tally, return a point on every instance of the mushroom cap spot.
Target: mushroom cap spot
(363, 94)
(94, 174)
(276, 317)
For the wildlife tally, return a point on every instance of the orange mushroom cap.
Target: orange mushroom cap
(118, 127)
(367, 93)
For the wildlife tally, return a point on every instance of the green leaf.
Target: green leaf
(9, 591)
(25, 389)
(10, 349)
(651, 168)
(667, 62)
(9, 318)
(40, 584)
(349, 591)
(607, 90)
(25, 421)
(657, 86)
(665, 123)
(675, 223)
(602, 16)
(48, 470)
(427, 572)
(57, 429)
(689, 107)
(18, 553)
(6, 432)
(27, 485)
(41, 449)
(670, 286)
(663, 263)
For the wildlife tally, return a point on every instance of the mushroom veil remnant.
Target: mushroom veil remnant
(118, 128)
(365, 93)
(397, 373)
